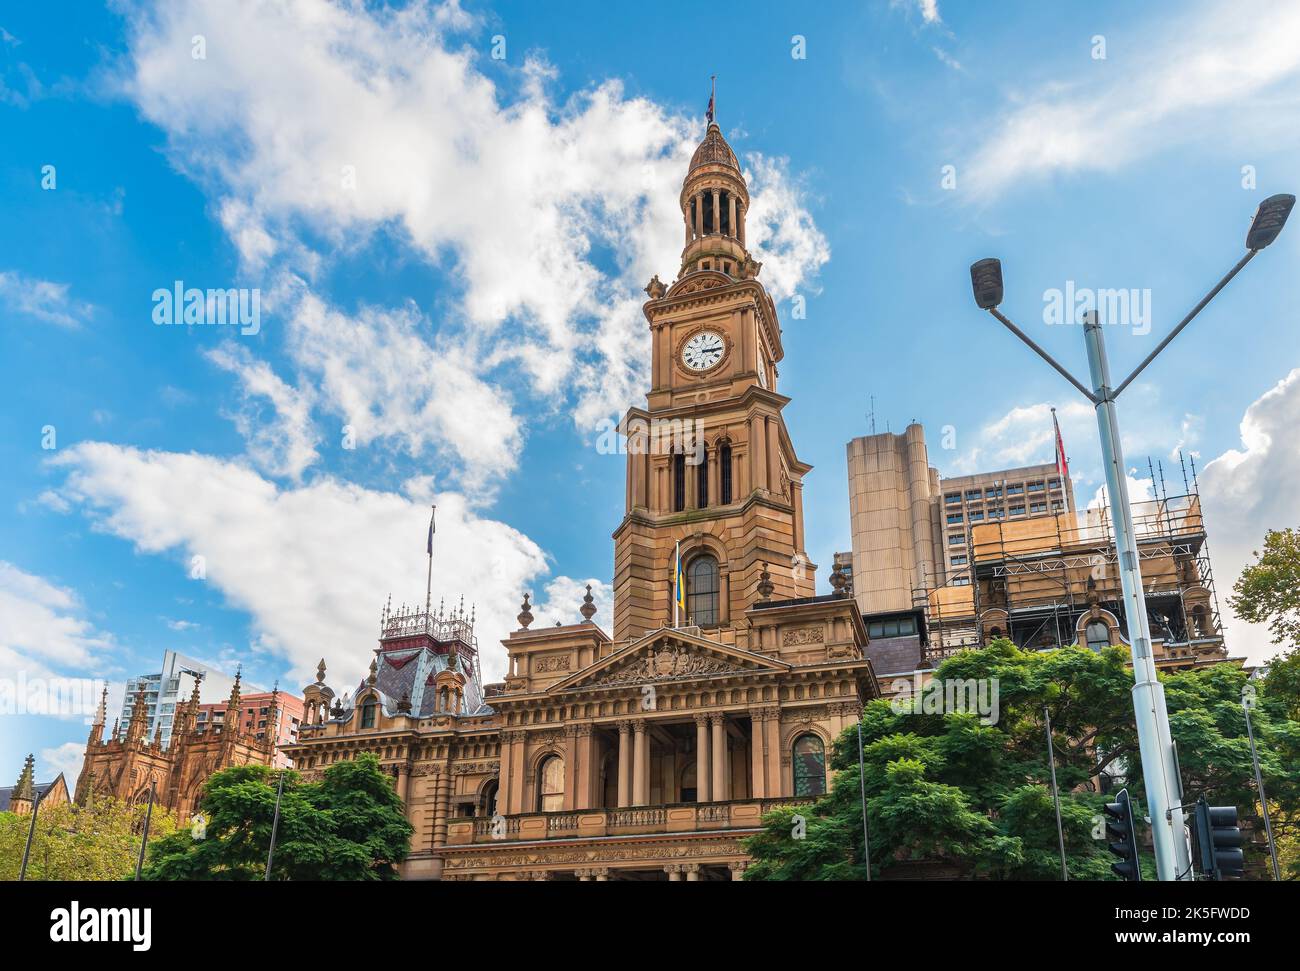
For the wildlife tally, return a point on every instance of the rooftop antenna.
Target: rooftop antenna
(872, 414)
(1195, 483)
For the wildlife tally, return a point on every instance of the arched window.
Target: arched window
(702, 478)
(368, 711)
(679, 482)
(687, 792)
(724, 473)
(702, 591)
(1098, 634)
(809, 763)
(550, 784)
(488, 803)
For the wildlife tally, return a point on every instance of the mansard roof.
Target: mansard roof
(412, 672)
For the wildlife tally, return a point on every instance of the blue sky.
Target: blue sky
(449, 249)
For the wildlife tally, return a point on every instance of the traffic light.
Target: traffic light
(1218, 841)
(1121, 837)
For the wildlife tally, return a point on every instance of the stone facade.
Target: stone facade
(127, 765)
(652, 753)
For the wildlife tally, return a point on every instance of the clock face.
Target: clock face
(703, 351)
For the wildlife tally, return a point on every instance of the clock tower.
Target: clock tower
(710, 463)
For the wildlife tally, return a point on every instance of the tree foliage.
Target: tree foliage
(348, 826)
(947, 789)
(1268, 590)
(98, 841)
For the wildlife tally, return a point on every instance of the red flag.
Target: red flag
(1062, 464)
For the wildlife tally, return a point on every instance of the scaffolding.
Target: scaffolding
(1033, 580)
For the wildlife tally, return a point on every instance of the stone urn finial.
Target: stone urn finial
(765, 585)
(525, 616)
(588, 606)
(404, 706)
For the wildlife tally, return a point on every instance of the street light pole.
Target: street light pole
(1159, 768)
(1159, 763)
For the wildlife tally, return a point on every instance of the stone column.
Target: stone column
(442, 799)
(602, 873)
(692, 871)
(703, 771)
(737, 870)
(403, 787)
(674, 872)
(624, 764)
(699, 215)
(717, 209)
(731, 212)
(640, 764)
(758, 451)
(503, 778)
(572, 764)
(518, 785)
(718, 756)
(757, 755)
(741, 214)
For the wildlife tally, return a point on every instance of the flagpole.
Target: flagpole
(428, 583)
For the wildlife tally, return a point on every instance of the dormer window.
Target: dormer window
(368, 713)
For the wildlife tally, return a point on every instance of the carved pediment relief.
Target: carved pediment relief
(700, 280)
(669, 656)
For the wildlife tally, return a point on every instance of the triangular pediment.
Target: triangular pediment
(668, 655)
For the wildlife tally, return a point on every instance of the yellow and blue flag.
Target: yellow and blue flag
(679, 584)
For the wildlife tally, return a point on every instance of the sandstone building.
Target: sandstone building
(127, 764)
(650, 752)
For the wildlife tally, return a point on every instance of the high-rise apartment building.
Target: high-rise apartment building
(168, 687)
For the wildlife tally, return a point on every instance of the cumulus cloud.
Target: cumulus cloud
(1210, 64)
(283, 443)
(44, 630)
(1249, 490)
(563, 598)
(320, 128)
(42, 300)
(1024, 436)
(311, 565)
(67, 758)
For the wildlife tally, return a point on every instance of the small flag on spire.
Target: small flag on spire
(679, 588)
(431, 530)
(712, 94)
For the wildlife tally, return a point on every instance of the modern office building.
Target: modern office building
(944, 564)
(911, 529)
(168, 687)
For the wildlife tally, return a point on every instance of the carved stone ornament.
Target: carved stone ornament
(803, 635)
(552, 662)
(666, 664)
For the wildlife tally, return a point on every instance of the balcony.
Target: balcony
(632, 821)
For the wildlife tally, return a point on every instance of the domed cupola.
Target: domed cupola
(714, 203)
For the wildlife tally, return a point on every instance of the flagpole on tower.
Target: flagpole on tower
(428, 583)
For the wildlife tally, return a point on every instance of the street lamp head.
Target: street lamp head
(1269, 219)
(986, 281)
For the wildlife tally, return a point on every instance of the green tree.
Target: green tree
(948, 789)
(1268, 590)
(348, 826)
(99, 841)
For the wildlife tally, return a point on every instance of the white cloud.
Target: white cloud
(283, 444)
(563, 601)
(339, 124)
(1024, 436)
(1246, 492)
(928, 9)
(44, 630)
(1223, 67)
(42, 299)
(311, 565)
(67, 758)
